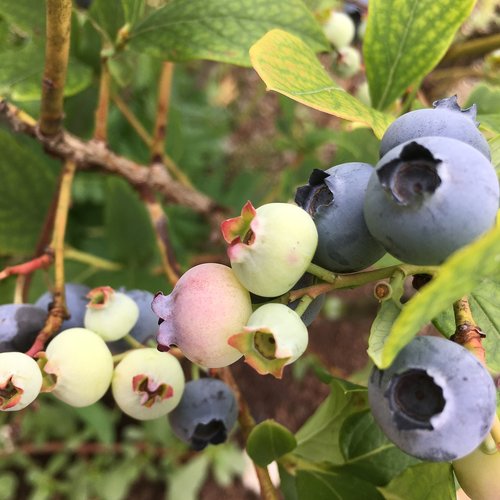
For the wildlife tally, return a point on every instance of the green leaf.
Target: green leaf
(426, 480)
(367, 451)
(100, 421)
(289, 66)
(381, 327)
(21, 74)
(495, 153)
(331, 485)
(9, 482)
(28, 181)
(133, 10)
(458, 276)
(109, 16)
(404, 41)
(228, 461)
(318, 438)
(186, 481)
(268, 441)
(128, 227)
(490, 122)
(486, 98)
(220, 30)
(26, 15)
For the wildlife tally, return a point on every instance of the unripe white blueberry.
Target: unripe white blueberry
(82, 365)
(274, 336)
(20, 381)
(147, 384)
(479, 474)
(110, 314)
(207, 305)
(270, 248)
(339, 29)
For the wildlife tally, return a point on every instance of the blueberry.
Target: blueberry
(436, 401)
(19, 326)
(76, 303)
(259, 238)
(314, 307)
(334, 198)
(447, 119)
(207, 305)
(206, 414)
(146, 328)
(20, 381)
(429, 197)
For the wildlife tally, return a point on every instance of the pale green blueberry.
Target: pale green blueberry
(479, 475)
(274, 337)
(270, 248)
(339, 29)
(20, 381)
(81, 366)
(363, 93)
(110, 314)
(147, 383)
(348, 62)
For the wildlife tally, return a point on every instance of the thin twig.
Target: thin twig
(42, 262)
(58, 311)
(146, 137)
(101, 113)
(476, 47)
(94, 155)
(58, 14)
(247, 423)
(162, 108)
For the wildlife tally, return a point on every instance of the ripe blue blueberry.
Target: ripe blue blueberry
(19, 326)
(436, 401)
(447, 119)
(430, 197)
(334, 199)
(76, 304)
(206, 414)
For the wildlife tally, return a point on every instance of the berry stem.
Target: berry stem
(58, 16)
(304, 303)
(58, 310)
(353, 280)
(133, 342)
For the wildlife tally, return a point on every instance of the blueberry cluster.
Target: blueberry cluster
(77, 366)
(433, 191)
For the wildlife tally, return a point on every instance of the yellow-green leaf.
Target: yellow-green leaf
(404, 41)
(381, 326)
(289, 66)
(460, 274)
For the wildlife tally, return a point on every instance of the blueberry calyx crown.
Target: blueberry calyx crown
(451, 103)
(150, 391)
(315, 194)
(213, 432)
(411, 176)
(99, 297)
(239, 229)
(10, 395)
(414, 397)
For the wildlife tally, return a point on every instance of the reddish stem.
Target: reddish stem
(42, 262)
